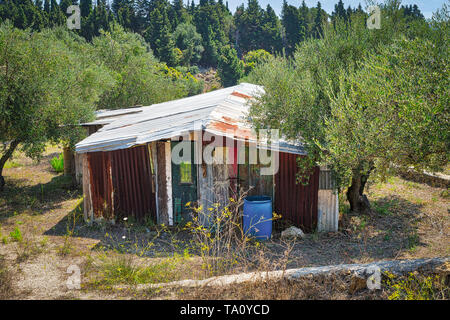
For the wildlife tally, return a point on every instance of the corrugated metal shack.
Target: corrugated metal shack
(128, 169)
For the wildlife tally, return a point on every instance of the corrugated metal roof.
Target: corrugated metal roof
(217, 112)
(104, 117)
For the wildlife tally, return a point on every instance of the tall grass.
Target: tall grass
(225, 247)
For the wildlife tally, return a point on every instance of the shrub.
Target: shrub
(16, 235)
(58, 163)
(222, 243)
(416, 287)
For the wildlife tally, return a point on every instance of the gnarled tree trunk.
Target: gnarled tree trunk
(355, 193)
(8, 153)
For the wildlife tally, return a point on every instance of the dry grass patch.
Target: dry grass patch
(6, 289)
(325, 287)
(107, 270)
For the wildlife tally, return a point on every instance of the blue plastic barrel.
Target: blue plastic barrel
(258, 217)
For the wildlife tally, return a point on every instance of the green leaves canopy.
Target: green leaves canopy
(363, 99)
(48, 85)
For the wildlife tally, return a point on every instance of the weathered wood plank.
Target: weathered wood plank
(162, 197)
(398, 267)
(87, 198)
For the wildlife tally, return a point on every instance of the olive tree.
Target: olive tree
(341, 95)
(47, 87)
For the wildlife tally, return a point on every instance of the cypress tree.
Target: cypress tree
(271, 33)
(230, 68)
(38, 4)
(47, 6)
(64, 4)
(159, 36)
(303, 20)
(318, 20)
(57, 18)
(85, 8)
(292, 27)
(250, 27)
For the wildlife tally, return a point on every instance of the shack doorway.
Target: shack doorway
(184, 182)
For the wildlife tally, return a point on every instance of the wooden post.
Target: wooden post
(87, 199)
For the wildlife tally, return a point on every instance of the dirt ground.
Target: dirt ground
(409, 220)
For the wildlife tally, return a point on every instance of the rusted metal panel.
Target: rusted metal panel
(296, 202)
(120, 184)
(132, 185)
(101, 184)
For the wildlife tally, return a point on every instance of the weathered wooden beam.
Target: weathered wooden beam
(87, 198)
(398, 267)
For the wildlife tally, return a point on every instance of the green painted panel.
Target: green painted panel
(184, 186)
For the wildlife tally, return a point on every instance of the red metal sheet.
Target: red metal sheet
(101, 184)
(121, 184)
(296, 202)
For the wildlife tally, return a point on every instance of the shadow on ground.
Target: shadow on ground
(388, 232)
(385, 234)
(18, 196)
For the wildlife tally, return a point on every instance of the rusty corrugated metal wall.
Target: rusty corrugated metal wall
(295, 202)
(101, 184)
(121, 184)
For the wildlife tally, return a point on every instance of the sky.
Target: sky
(427, 7)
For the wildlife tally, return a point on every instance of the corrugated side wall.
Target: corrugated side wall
(101, 184)
(121, 184)
(295, 202)
(328, 211)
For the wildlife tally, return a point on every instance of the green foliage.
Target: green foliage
(121, 269)
(58, 163)
(214, 24)
(294, 27)
(189, 42)
(230, 68)
(250, 28)
(416, 287)
(353, 96)
(11, 164)
(253, 58)
(249, 23)
(16, 235)
(139, 78)
(48, 85)
(393, 120)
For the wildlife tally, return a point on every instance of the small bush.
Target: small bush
(58, 163)
(16, 235)
(417, 287)
(224, 246)
(67, 247)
